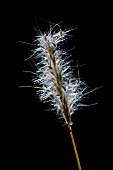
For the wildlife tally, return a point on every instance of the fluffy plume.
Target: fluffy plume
(54, 79)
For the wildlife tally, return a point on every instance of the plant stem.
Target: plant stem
(74, 146)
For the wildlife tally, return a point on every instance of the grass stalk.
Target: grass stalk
(74, 146)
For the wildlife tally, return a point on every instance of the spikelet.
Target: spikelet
(54, 79)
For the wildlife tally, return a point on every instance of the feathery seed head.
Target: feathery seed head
(55, 77)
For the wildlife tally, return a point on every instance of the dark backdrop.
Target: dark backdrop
(37, 139)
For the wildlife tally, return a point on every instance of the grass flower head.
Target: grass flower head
(54, 79)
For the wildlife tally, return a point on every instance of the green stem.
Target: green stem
(74, 146)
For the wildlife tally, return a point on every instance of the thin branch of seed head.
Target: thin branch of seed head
(27, 43)
(30, 87)
(92, 90)
(27, 71)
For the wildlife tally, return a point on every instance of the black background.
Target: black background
(35, 139)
